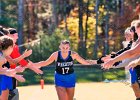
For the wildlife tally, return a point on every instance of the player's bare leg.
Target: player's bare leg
(62, 93)
(70, 92)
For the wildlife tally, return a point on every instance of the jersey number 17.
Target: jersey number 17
(65, 70)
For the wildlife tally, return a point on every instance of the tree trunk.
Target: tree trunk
(86, 29)
(106, 48)
(65, 17)
(20, 21)
(39, 21)
(96, 28)
(121, 7)
(80, 42)
(31, 19)
(55, 17)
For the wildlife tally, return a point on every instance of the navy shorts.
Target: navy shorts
(133, 76)
(6, 83)
(67, 81)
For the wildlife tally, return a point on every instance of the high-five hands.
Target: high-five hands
(34, 68)
(108, 64)
(12, 73)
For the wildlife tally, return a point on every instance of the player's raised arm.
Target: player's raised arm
(81, 60)
(50, 60)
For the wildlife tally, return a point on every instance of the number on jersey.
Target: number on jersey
(65, 70)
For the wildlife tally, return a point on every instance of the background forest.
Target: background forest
(94, 27)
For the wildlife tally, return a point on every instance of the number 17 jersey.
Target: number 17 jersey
(64, 66)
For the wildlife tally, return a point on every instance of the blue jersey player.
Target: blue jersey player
(65, 78)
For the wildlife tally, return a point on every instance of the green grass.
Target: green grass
(83, 74)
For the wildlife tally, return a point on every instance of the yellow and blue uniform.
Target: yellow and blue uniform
(64, 72)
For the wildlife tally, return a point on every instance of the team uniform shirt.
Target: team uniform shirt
(64, 66)
(64, 72)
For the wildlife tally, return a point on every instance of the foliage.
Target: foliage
(47, 45)
(8, 16)
(54, 20)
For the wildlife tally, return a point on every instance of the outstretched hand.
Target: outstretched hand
(20, 78)
(19, 69)
(108, 64)
(27, 53)
(106, 58)
(34, 68)
(10, 72)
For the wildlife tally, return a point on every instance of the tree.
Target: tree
(96, 39)
(106, 46)
(86, 29)
(55, 13)
(80, 41)
(31, 19)
(20, 22)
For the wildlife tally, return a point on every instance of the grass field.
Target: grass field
(83, 74)
(84, 91)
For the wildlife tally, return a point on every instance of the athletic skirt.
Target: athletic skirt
(67, 81)
(6, 83)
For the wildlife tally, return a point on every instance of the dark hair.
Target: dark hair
(4, 30)
(1, 34)
(12, 30)
(133, 29)
(65, 42)
(5, 42)
(135, 34)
